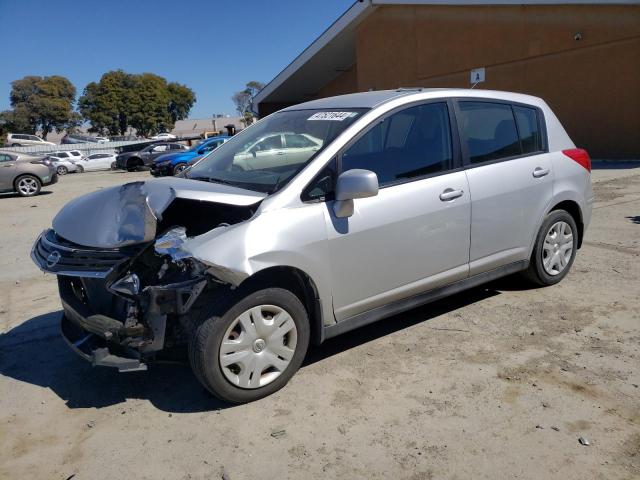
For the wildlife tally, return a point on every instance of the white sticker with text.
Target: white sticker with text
(332, 116)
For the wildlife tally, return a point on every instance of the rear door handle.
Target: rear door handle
(450, 194)
(280, 153)
(540, 172)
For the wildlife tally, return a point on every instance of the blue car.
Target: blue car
(174, 163)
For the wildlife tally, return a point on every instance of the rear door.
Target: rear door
(510, 178)
(414, 235)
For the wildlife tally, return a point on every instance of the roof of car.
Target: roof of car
(376, 98)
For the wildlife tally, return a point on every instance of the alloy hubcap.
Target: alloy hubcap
(557, 248)
(27, 186)
(258, 346)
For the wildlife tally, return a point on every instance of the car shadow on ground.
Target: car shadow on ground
(635, 219)
(15, 195)
(34, 353)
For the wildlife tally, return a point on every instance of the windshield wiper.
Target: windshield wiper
(214, 180)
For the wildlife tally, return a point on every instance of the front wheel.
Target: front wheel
(554, 250)
(62, 170)
(178, 169)
(80, 169)
(252, 349)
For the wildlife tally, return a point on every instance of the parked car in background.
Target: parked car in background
(25, 174)
(102, 140)
(63, 163)
(24, 139)
(135, 160)
(75, 155)
(174, 163)
(97, 161)
(280, 148)
(164, 136)
(71, 138)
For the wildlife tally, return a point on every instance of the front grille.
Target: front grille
(54, 254)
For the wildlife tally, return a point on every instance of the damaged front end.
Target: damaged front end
(128, 288)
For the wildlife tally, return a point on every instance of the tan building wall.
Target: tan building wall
(593, 84)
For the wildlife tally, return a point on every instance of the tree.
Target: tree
(106, 104)
(243, 99)
(181, 99)
(145, 102)
(41, 103)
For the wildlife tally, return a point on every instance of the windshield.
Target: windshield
(265, 156)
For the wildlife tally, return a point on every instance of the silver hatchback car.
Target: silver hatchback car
(406, 196)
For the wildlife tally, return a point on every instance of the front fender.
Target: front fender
(293, 237)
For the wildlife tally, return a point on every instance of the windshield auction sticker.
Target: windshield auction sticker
(332, 116)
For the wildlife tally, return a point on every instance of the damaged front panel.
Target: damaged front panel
(126, 297)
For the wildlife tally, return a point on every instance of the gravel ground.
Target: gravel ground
(496, 382)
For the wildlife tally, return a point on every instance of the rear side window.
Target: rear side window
(529, 129)
(408, 144)
(489, 131)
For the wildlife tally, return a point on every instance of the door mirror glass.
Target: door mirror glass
(352, 184)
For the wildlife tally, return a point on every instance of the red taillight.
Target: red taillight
(579, 155)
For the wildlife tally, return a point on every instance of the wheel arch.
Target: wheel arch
(300, 284)
(26, 174)
(573, 209)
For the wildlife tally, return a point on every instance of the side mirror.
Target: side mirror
(353, 184)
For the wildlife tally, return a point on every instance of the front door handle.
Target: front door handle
(540, 172)
(450, 194)
(279, 153)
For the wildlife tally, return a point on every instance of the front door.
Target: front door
(414, 235)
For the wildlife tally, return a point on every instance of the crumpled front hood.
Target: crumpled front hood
(129, 214)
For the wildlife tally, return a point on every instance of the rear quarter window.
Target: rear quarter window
(529, 129)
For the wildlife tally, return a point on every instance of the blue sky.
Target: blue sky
(212, 46)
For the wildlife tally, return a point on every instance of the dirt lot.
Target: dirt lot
(497, 382)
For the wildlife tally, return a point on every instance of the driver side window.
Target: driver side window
(406, 145)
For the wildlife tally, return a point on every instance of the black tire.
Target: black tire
(210, 324)
(536, 272)
(62, 170)
(34, 190)
(179, 168)
(80, 169)
(134, 164)
(114, 166)
(16, 145)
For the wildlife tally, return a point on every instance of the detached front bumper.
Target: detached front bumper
(96, 350)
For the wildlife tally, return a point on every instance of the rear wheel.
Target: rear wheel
(80, 169)
(178, 169)
(554, 250)
(251, 347)
(62, 170)
(16, 145)
(28, 186)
